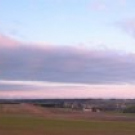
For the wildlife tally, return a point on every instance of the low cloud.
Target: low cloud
(66, 64)
(63, 90)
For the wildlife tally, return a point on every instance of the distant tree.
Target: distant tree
(130, 109)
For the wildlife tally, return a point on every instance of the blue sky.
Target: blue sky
(68, 42)
(91, 23)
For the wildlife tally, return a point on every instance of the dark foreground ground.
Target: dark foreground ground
(27, 119)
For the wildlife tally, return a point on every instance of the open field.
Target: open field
(27, 119)
(40, 126)
(61, 113)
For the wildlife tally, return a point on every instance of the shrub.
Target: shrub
(130, 109)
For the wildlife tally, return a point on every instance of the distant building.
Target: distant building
(91, 109)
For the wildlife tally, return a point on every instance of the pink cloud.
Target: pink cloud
(122, 2)
(6, 41)
(65, 90)
(128, 26)
(98, 6)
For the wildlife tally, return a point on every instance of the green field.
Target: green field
(22, 125)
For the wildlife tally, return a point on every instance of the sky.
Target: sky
(84, 46)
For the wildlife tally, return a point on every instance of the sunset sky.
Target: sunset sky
(67, 49)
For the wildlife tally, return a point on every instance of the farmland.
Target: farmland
(34, 126)
(26, 119)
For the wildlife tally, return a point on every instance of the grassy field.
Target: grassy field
(27, 119)
(22, 125)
